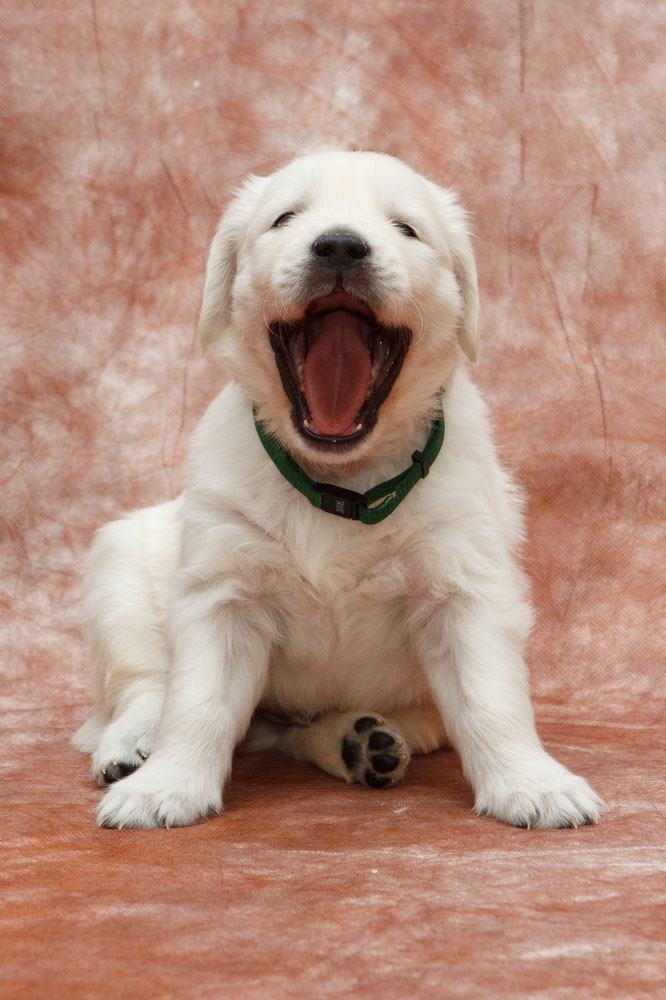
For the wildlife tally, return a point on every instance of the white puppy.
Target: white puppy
(339, 292)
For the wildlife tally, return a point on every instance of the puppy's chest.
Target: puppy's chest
(346, 578)
(343, 618)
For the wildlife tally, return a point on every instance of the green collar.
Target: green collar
(370, 507)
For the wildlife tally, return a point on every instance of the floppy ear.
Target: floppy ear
(464, 268)
(221, 267)
(456, 229)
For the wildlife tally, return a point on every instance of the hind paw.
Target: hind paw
(374, 754)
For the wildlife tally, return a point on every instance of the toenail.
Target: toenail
(380, 740)
(385, 762)
(364, 723)
(112, 773)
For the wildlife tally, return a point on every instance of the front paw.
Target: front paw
(154, 797)
(542, 793)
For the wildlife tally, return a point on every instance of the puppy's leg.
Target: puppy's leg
(421, 727)
(124, 633)
(363, 746)
(473, 660)
(221, 649)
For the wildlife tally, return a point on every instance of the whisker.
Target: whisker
(422, 331)
(263, 311)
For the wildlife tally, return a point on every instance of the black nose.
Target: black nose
(340, 248)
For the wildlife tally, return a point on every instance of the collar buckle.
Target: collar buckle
(337, 500)
(423, 461)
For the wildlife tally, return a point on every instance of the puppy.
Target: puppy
(338, 579)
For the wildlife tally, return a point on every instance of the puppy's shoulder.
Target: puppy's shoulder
(466, 414)
(225, 452)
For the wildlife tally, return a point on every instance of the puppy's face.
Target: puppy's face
(338, 290)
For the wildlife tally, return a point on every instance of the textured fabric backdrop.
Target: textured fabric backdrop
(124, 125)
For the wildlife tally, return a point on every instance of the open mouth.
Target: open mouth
(337, 365)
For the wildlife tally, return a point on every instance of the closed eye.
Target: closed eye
(405, 228)
(283, 219)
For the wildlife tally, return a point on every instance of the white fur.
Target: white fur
(240, 592)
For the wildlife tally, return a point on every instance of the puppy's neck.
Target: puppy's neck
(390, 456)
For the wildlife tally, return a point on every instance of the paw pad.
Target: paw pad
(351, 752)
(374, 755)
(385, 762)
(380, 740)
(364, 723)
(376, 780)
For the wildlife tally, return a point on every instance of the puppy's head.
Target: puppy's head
(338, 290)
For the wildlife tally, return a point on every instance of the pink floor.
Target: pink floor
(124, 126)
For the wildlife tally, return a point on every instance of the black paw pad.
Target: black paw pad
(351, 752)
(364, 723)
(385, 762)
(380, 740)
(375, 780)
(116, 770)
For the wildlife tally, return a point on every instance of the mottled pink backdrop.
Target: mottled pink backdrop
(124, 126)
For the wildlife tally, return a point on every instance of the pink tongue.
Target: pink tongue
(337, 372)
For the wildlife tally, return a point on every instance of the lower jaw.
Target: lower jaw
(331, 442)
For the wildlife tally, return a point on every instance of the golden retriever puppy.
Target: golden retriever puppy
(338, 579)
